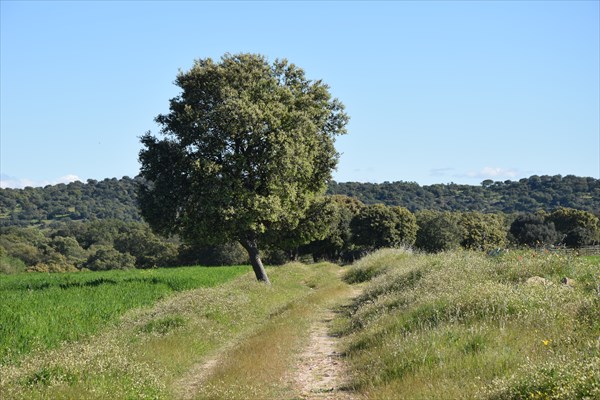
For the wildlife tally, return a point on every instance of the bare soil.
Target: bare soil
(321, 373)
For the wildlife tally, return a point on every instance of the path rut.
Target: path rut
(321, 373)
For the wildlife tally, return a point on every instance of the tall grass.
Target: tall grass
(40, 311)
(465, 325)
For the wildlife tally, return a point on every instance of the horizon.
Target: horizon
(85, 182)
(437, 92)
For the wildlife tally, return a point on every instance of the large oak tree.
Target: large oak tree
(247, 146)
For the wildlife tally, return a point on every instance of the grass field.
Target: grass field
(466, 325)
(39, 311)
(153, 352)
(449, 326)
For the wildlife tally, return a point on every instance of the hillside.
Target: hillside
(526, 195)
(116, 198)
(106, 199)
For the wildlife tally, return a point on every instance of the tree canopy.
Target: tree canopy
(248, 146)
(117, 198)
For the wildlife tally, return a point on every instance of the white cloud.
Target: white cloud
(493, 172)
(68, 178)
(19, 183)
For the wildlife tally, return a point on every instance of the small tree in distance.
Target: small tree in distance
(248, 147)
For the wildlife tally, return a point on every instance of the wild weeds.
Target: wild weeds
(465, 325)
(375, 264)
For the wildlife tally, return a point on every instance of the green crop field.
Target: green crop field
(39, 311)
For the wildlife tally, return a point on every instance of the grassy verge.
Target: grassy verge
(465, 325)
(153, 352)
(40, 311)
(260, 367)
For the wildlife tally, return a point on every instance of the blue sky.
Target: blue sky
(437, 92)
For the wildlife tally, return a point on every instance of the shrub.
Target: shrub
(105, 258)
(438, 232)
(533, 230)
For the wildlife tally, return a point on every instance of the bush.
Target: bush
(226, 254)
(106, 258)
(482, 231)
(437, 232)
(578, 228)
(378, 226)
(533, 230)
(10, 265)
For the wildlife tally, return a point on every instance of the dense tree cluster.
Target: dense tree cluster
(117, 198)
(101, 245)
(109, 198)
(96, 225)
(342, 229)
(354, 229)
(524, 196)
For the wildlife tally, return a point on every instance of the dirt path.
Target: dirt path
(187, 387)
(315, 371)
(321, 372)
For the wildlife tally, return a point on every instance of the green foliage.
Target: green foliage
(377, 226)
(117, 198)
(527, 195)
(317, 224)
(41, 310)
(104, 258)
(466, 325)
(337, 243)
(438, 231)
(406, 225)
(10, 265)
(577, 227)
(533, 230)
(248, 144)
(148, 249)
(249, 141)
(482, 231)
(97, 245)
(223, 254)
(109, 198)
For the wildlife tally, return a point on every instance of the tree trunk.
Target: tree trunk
(249, 243)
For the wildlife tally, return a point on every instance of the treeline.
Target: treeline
(116, 198)
(527, 195)
(353, 229)
(76, 201)
(102, 245)
(345, 228)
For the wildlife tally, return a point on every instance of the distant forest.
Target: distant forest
(116, 198)
(527, 195)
